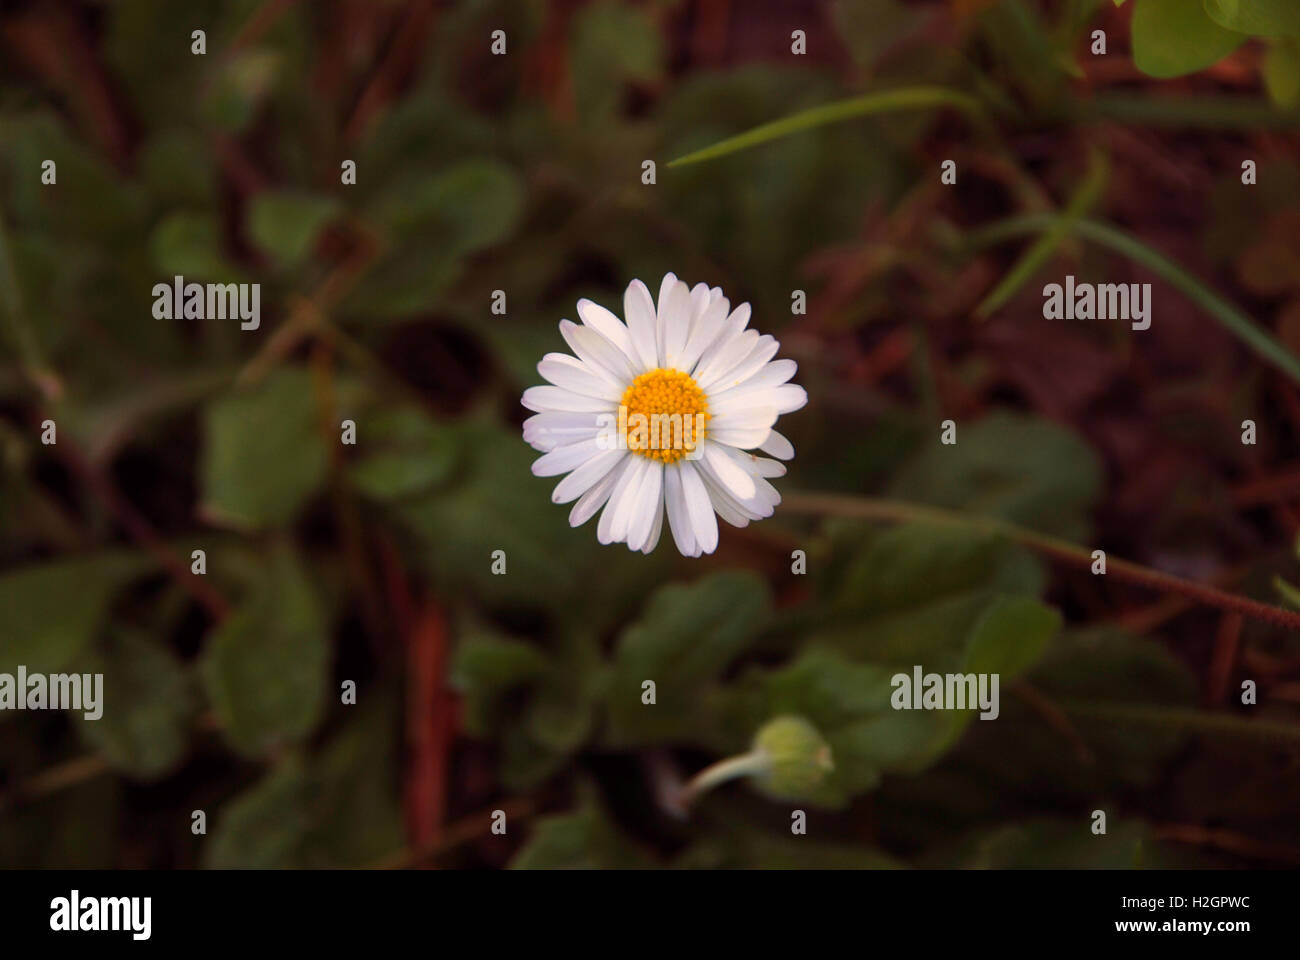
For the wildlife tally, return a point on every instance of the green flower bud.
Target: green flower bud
(797, 757)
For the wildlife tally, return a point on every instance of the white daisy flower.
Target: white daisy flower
(655, 417)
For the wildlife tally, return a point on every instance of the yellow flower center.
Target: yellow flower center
(663, 415)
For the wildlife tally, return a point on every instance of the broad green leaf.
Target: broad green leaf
(613, 43)
(492, 502)
(1055, 844)
(266, 667)
(148, 705)
(1011, 636)
(486, 670)
(851, 703)
(437, 219)
(264, 826)
(583, 840)
(685, 638)
(263, 453)
(1018, 468)
(50, 612)
(1175, 37)
(189, 245)
(286, 223)
(1267, 18)
(404, 453)
(336, 808)
(1025, 758)
(463, 208)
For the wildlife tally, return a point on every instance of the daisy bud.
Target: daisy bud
(799, 758)
(789, 759)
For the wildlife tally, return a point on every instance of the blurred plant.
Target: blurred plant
(200, 535)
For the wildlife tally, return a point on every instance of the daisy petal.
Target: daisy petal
(674, 323)
(586, 475)
(606, 324)
(548, 399)
(595, 498)
(728, 473)
(745, 428)
(605, 529)
(566, 458)
(597, 352)
(652, 541)
(649, 498)
(778, 446)
(790, 398)
(572, 374)
(704, 523)
(724, 355)
(679, 521)
(640, 312)
(753, 362)
(546, 431)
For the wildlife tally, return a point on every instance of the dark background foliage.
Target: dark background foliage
(372, 563)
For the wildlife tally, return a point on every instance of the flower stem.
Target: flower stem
(896, 511)
(741, 765)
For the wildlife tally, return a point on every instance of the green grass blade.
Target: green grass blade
(1230, 317)
(889, 101)
(1083, 200)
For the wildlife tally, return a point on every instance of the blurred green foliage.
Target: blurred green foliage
(521, 173)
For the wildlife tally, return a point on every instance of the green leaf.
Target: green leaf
(263, 827)
(286, 223)
(189, 245)
(889, 101)
(686, 637)
(50, 612)
(1053, 844)
(1011, 636)
(492, 502)
(1018, 468)
(336, 808)
(851, 702)
(263, 454)
(1266, 18)
(1175, 37)
(404, 453)
(466, 207)
(148, 705)
(242, 83)
(583, 840)
(612, 44)
(486, 670)
(1282, 72)
(437, 220)
(266, 668)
